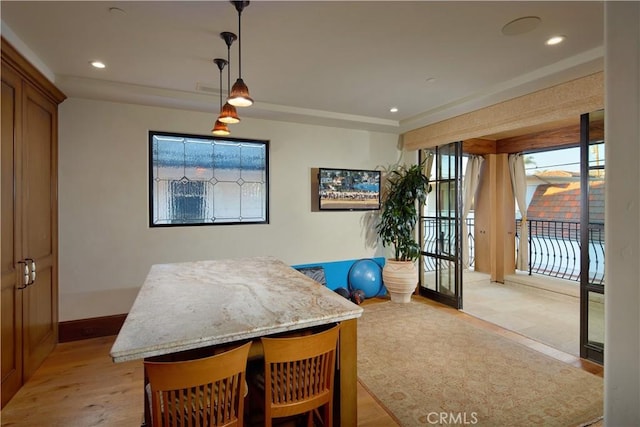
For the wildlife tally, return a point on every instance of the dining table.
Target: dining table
(205, 305)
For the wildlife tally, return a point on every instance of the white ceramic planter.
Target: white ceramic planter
(400, 278)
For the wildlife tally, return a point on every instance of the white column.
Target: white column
(622, 216)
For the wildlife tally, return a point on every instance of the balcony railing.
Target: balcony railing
(554, 249)
(443, 242)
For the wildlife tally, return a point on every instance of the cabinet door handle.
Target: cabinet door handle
(25, 275)
(33, 271)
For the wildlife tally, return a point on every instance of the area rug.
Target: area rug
(429, 367)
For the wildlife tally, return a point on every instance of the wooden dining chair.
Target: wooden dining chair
(202, 392)
(299, 376)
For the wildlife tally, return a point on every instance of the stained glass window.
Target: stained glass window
(197, 180)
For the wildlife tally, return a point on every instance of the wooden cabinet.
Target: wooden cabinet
(29, 225)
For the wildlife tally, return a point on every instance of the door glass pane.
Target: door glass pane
(447, 277)
(596, 212)
(447, 193)
(447, 163)
(596, 319)
(592, 248)
(428, 279)
(429, 245)
(449, 248)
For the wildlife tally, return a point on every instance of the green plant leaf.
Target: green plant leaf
(405, 188)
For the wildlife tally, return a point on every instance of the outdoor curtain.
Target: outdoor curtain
(428, 163)
(469, 186)
(519, 185)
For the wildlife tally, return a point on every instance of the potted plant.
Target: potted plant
(405, 189)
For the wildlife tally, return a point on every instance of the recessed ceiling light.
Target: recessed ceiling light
(393, 109)
(98, 64)
(555, 40)
(521, 25)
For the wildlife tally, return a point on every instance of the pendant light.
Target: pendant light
(239, 96)
(220, 128)
(228, 114)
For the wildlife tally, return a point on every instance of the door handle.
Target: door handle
(28, 272)
(32, 278)
(25, 275)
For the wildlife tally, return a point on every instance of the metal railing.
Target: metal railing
(443, 241)
(554, 249)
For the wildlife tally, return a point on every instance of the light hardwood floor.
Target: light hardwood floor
(79, 385)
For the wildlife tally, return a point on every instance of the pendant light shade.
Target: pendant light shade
(228, 114)
(220, 128)
(239, 96)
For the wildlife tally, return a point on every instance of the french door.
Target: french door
(441, 226)
(592, 175)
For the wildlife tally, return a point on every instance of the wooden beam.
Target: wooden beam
(479, 146)
(561, 137)
(566, 136)
(596, 130)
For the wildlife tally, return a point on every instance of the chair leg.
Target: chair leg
(328, 414)
(325, 419)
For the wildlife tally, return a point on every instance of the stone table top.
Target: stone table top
(189, 305)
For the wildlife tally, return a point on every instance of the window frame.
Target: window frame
(151, 165)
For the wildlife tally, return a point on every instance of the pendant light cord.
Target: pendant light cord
(239, 44)
(228, 70)
(221, 89)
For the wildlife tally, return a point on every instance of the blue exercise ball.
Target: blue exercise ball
(365, 275)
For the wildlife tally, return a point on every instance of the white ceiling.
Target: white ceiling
(327, 62)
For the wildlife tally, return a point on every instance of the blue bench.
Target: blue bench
(335, 272)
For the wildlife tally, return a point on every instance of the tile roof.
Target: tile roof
(561, 202)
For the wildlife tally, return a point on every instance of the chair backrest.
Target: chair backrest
(200, 392)
(299, 373)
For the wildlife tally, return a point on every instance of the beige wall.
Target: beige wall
(106, 245)
(622, 215)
